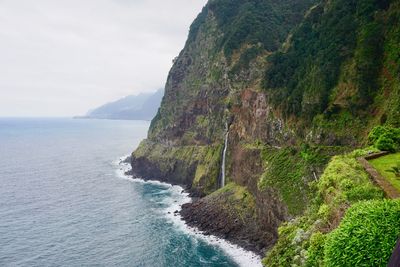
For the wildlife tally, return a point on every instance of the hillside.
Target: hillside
(134, 107)
(284, 86)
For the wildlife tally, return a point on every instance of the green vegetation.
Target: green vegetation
(261, 22)
(332, 67)
(366, 236)
(395, 170)
(302, 241)
(205, 160)
(245, 58)
(384, 165)
(312, 63)
(288, 170)
(196, 25)
(284, 172)
(385, 138)
(336, 76)
(238, 199)
(208, 169)
(254, 22)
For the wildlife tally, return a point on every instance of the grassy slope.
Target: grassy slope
(343, 183)
(240, 199)
(289, 170)
(383, 164)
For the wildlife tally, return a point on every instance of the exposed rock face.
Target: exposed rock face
(255, 119)
(233, 219)
(219, 78)
(205, 90)
(240, 212)
(180, 172)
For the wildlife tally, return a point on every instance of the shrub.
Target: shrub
(284, 251)
(366, 236)
(375, 133)
(395, 170)
(315, 252)
(385, 143)
(385, 138)
(363, 192)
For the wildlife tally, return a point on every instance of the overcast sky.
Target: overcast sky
(63, 57)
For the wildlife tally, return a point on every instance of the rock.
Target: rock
(211, 216)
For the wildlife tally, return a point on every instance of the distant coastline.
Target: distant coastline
(115, 119)
(143, 106)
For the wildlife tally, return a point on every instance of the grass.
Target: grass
(385, 163)
(285, 172)
(289, 171)
(238, 199)
(343, 183)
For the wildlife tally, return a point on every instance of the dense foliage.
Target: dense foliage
(288, 169)
(303, 77)
(263, 21)
(252, 22)
(302, 241)
(385, 138)
(366, 236)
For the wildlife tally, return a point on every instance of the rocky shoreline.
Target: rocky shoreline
(212, 218)
(211, 222)
(221, 215)
(208, 215)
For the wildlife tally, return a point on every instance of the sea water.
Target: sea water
(65, 201)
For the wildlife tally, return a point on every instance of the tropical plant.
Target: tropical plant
(366, 236)
(385, 138)
(395, 170)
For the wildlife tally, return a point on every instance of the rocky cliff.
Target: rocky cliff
(293, 82)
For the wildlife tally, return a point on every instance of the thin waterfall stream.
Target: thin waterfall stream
(222, 182)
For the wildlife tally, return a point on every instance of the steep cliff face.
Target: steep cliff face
(223, 55)
(291, 82)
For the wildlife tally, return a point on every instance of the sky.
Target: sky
(63, 57)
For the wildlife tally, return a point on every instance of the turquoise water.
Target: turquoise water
(65, 202)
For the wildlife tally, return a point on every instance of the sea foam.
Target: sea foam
(174, 203)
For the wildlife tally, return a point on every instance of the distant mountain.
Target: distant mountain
(134, 107)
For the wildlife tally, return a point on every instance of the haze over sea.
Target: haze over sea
(64, 201)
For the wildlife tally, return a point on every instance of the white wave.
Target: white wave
(238, 254)
(178, 197)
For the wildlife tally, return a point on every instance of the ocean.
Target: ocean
(65, 201)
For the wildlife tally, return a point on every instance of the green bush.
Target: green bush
(315, 252)
(366, 236)
(385, 143)
(284, 250)
(375, 133)
(364, 192)
(385, 138)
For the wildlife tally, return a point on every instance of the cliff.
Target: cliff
(294, 83)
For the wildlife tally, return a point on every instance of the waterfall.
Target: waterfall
(222, 182)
